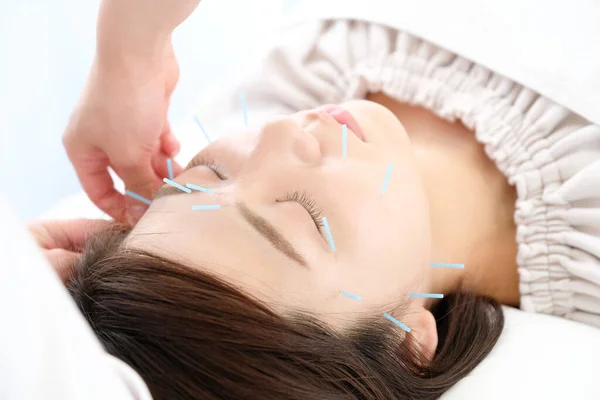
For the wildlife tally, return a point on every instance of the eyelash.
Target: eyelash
(209, 163)
(301, 198)
(308, 203)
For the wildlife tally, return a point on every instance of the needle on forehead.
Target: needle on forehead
(206, 207)
(137, 197)
(176, 185)
(199, 188)
(170, 168)
(350, 295)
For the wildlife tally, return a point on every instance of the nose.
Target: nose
(285, 138)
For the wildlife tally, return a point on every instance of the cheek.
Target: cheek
(389, 232)
(399, 235)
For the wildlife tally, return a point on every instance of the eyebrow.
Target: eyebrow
(260, 224)
(167, 190)
(269, 232)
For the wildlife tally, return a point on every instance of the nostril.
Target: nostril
(317, 115)
(305, 146)
(312, 120)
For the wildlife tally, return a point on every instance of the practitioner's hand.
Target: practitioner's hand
(121, 121)
(62, 240)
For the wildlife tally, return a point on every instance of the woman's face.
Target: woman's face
(274, 187)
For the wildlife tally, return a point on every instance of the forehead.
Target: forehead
(214, 241)
(239, 141)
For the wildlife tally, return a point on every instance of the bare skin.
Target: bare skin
(472, 204)
(447, 201)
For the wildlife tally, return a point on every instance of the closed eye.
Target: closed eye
(308, 203)
(205, 161)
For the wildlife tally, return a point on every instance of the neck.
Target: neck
(471, 207)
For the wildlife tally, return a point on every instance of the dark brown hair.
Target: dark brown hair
(191, 335)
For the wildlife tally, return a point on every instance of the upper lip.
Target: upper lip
(344, 117)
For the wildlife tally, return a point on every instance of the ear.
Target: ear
(424, 333)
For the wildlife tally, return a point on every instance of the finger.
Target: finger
(63, 262)
(92, 172)
(137, 172)
(141, 180)
(65, 234)
(169, 143)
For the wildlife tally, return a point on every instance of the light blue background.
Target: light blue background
(46, 48)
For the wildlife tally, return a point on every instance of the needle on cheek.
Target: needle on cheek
(444, 265)
(328, 233)
(387, 178)
(427, 295)
(395, 321)
(344, 140)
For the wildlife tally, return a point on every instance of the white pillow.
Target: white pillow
(537, 357)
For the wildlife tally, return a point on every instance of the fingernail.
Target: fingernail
(136, 213)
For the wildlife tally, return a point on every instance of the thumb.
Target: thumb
(65, 234)
(62, 262)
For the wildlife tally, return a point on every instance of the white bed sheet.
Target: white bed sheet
(47, 349)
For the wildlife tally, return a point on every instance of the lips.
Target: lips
(343, 117)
